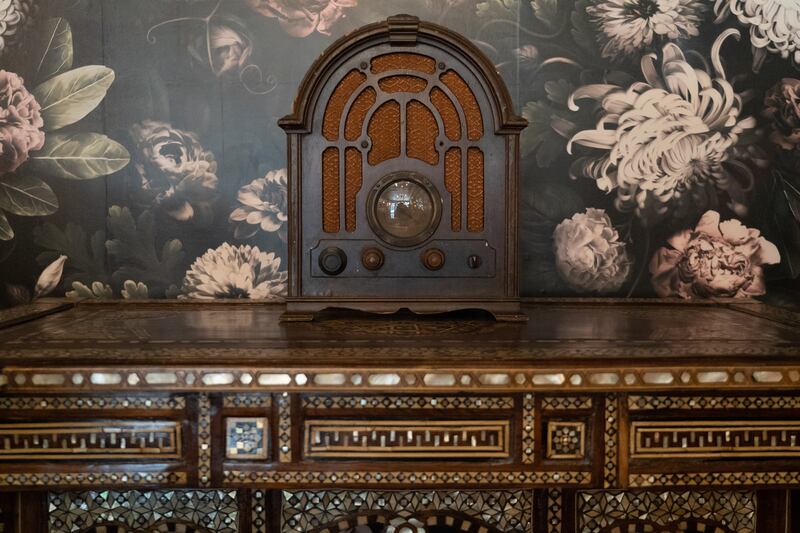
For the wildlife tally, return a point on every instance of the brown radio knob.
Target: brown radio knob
(433, 258)
(332, 261)
(372, 258)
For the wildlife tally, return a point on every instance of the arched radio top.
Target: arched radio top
(402, 32)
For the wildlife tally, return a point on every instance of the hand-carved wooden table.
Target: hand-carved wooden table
(594, 416)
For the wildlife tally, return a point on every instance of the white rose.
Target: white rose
(589, 254)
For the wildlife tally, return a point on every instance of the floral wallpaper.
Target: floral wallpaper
(140, 155)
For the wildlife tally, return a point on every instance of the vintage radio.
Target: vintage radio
(403, 161)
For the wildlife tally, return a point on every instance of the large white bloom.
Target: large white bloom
(14, 15)
(669, 140)
(628, 27)
(263, 204)
(774, 24)
(589, 253)
(235, 272)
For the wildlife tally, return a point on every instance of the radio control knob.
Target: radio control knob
(433, 258)
(372, 258)
(332, 261)
(474, 261)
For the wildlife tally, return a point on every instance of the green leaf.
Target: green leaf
(68, 97)
(498, 9)
(53, 55)
(97, 290)
(26, 196)
(133, 248)
(546, 11)
(540, 137)
(87, 257)
(583, 31)
(79, 156)
(6, 233)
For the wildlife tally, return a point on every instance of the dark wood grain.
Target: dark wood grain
(559, 331)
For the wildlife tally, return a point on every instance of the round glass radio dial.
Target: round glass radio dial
(404, 209)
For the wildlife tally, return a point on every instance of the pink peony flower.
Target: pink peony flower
(20, 123)
(301, 18)
(227, 46)
(717, 259)
(782, 109)
(177, 174)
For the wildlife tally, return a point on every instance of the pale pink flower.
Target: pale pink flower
(21, 123)
(301, 18)
(590, 257)
(716, 259)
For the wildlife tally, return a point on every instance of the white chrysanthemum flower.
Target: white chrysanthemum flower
(590, 257)
(774, 24)
(263, 205)
(235, 272)
(14, 15)
(670, 140)
(628, 27)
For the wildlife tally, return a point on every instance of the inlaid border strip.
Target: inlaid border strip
(652, 402)
(555, 507)
(87, 403)
(18, 379)
(611, 441)
(204, 440)
(407, 402)
(285, 428)
(733, 479)
(528, 429)
(307, 478)
(112, 479)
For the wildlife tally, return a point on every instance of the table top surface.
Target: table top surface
(597, 331)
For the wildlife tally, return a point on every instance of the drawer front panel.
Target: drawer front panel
(422, 439)
(111, 439)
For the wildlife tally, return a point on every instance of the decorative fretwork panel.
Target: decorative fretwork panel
(108, 439)
(421, 439)
(200, 511)
(715, 439)
(662, 511)
(508, 511)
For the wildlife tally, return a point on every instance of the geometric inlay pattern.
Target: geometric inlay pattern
(600, 510)
(258, 511)
(715, 439)
(565, 440)
(370, 439)
(113, 439)
(554, 511)
(408, 402)
(247, 438)
(642, 403)
(510, 511)
(284, 428)
(528, 429)
(610, 436)
(566, 402)
(207, 511)
(324, 479)
(204, 440)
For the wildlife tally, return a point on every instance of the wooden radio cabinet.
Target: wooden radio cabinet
(403, 161)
